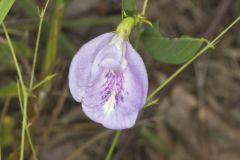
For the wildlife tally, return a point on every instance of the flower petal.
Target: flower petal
(81, 64)
(123, 113)
(110, 79)
(137, 66)
(136, 83)
(92, 101)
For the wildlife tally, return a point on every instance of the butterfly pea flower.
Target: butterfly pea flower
(109, 78)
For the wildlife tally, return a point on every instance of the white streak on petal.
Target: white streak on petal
(108, 107)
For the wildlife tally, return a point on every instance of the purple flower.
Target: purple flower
(109, 78)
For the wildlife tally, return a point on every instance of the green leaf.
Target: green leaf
(170, 50)
(5, 6)
(8, 90)
(129, 6)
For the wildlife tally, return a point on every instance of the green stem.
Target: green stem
(115, 140)
(139, 26)
(13, 54)
(227, 29)
(24, 126)
(27, 129)
(25, 94)
(37, 44)
(34, 154)
(151, 103)
(144, 7)
(45, 80)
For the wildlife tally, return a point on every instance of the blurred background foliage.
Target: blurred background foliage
(198, 116)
